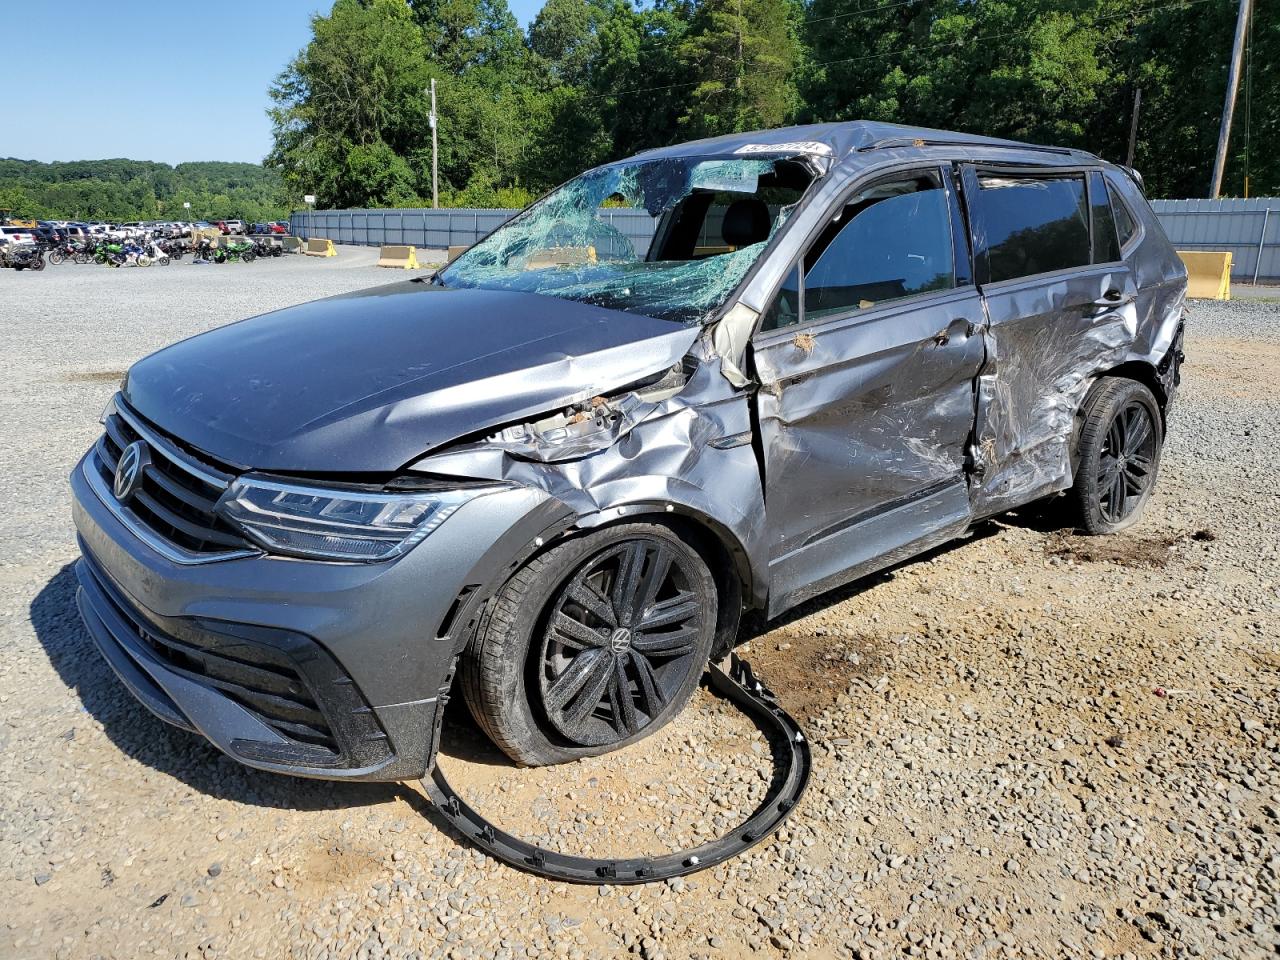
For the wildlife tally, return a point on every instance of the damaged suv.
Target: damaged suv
(716, 377)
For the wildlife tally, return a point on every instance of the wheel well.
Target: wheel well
(1146, 374)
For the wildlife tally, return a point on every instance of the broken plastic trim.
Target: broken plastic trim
(792, 766)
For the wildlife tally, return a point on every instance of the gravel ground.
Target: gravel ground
(1029, 744)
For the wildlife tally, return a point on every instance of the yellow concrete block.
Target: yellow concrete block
(406, 258)
(319, 247)
(1208, 274)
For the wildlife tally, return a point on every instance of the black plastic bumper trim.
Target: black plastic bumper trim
(792, 762)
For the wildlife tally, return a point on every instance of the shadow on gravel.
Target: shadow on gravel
(146, 739)
(755, 625)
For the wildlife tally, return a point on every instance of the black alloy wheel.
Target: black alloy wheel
(620, 639)
(1126, 466)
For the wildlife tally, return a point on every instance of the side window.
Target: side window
(893, 240)
(1106, 247)
(786, 305)
(1033, 224)
(1124, 219)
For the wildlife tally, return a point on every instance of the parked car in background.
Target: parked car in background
(235, 226)
(279, 226)
(16, 235)
(843, 346)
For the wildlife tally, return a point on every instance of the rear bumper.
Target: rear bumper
(328, 670)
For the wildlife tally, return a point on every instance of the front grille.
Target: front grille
(287, 680)
(175, 500)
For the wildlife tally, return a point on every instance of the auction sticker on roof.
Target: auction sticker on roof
(795, 146)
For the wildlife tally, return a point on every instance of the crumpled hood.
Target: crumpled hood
(371, 380)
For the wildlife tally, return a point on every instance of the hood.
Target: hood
(370, 381)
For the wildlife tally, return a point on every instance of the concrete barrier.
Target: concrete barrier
(1208, 274)
(293, 244)
(405, 258)
(320, 247)
(458, 250)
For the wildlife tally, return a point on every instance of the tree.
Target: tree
(740, 56)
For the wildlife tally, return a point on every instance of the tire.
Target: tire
(163, 261)
(545, 696)
(247, 257)
(143, 260)
(1117, 456)
(56, 257)
(37, 263)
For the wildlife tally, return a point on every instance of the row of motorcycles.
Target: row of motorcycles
(136, 253)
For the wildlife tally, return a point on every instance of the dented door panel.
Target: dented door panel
(863, 417)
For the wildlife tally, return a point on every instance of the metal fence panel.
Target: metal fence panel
(1250, 229)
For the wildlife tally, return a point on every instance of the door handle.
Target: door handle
(1112, 298)
(959, 327)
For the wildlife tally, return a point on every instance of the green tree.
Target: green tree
(741, 56)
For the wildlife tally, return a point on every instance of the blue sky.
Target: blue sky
(149, 80)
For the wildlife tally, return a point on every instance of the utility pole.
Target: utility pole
(1229, 105)
(1133, 127)
(435, 200)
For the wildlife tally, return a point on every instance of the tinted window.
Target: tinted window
(891, 241)
(1106, 248)
(1124, 220)
(1033, 224)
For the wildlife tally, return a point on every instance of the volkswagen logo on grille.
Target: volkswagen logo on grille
(133, 462)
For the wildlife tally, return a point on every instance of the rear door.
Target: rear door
(866, 363)
(1059, 302)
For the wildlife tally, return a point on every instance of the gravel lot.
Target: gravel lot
(1029, 744)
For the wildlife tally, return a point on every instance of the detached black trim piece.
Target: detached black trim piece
(792, 766)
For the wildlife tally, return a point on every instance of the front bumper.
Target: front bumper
(330, 670)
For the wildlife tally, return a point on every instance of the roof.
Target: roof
(838, 140)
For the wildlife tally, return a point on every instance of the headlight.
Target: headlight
(339, 524)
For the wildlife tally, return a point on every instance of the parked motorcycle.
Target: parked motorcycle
(235, 250)
(22, 257)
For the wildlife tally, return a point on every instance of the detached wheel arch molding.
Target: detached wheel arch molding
(594, 643)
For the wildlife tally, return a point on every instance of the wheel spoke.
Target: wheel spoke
(624, 712)
(672, 644)
(593, 692)
(650, 690)
(1138, 434)
(581, 669)
(627, 582)
(655, 575)
(569, 631)
(1117, 495)
(675, 610)
(589, 598)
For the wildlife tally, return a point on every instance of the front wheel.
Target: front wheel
(36, 263)
(247, 257)
(1118, 456)
(56, 257)
(591, 646)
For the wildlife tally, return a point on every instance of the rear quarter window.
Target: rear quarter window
(1034, 224)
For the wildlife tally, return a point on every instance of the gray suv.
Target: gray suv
(716, 377)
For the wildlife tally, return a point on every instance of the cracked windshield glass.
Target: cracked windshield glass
(669, 238)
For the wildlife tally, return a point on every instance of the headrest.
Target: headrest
(745, 222)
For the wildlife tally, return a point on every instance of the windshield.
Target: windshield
(668, 238)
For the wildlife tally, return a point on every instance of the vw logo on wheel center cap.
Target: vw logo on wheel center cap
(129, 470)
(620, 640)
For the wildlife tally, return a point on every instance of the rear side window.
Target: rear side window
(1125, 225)
(1106, 246)
(1033, 224)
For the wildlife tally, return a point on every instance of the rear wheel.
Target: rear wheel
(56, 257)
(591, 646)
(1118, 456)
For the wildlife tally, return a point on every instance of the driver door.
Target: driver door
(867, 363)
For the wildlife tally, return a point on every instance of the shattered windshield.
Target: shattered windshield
(668, 238)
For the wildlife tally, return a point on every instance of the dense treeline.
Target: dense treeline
(593, 80)
(123, 190)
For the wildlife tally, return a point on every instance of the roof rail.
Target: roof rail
(925, 142)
